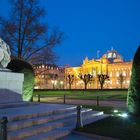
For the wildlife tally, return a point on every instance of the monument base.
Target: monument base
(11, 86)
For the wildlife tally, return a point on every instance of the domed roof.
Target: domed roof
(113, 56)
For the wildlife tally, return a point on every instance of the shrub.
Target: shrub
(133, 97)
(21, 66)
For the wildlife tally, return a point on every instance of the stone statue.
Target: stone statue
(4, 54)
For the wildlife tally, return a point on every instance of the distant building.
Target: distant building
(111, 63)
(49, 76)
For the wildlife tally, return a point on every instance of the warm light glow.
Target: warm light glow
(52, 81)
(36, 87)
(117, 74)
(55, 82)
(61, 82)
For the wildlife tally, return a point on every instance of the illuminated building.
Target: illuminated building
(111, 63)
(48, 76)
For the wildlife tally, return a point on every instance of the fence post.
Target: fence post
(97, 100)
(38, 97)
(3, 128)
(79, 123)
(64, 98)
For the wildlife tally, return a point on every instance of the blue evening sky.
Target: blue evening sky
(91, 25)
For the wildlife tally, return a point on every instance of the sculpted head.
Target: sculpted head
(4, 54)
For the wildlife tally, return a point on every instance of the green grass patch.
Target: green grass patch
(59, 92)
(86, 95)
(118, 127)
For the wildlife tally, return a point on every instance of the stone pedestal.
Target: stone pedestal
(11, 85)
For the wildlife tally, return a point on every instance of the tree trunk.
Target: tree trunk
(101, 86)
(69, 86)
(19, 55)
(85, 86)
(121, 85)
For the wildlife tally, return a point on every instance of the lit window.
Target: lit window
(110, 74)
(124, 73)
(117, 82)
(94, 73)
(42, 66)
(109, 55)
(114, 55)
(128, 81)
(117, 74)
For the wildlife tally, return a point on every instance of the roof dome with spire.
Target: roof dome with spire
(113, 56)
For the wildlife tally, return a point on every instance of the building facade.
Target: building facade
(111, 63)
(48, 76)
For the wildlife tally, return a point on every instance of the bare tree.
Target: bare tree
(86, 78)
(102, 78)
(70, 80)
(121, 79)
(28, 37)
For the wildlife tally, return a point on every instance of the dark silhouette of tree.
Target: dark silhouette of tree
(70, 80)
(121, 79)
(133, 96)
(86, 78)
(102, 78)
(28, 37)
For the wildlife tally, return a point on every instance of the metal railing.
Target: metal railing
(61, 98)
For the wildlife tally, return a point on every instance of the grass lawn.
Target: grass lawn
(117, 127)
(86, 95)
(71, 92)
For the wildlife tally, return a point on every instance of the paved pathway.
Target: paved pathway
(74, 136)
(85, 136)
(117, 104)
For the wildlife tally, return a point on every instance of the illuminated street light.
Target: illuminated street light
(124, 115)
(115, 111)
